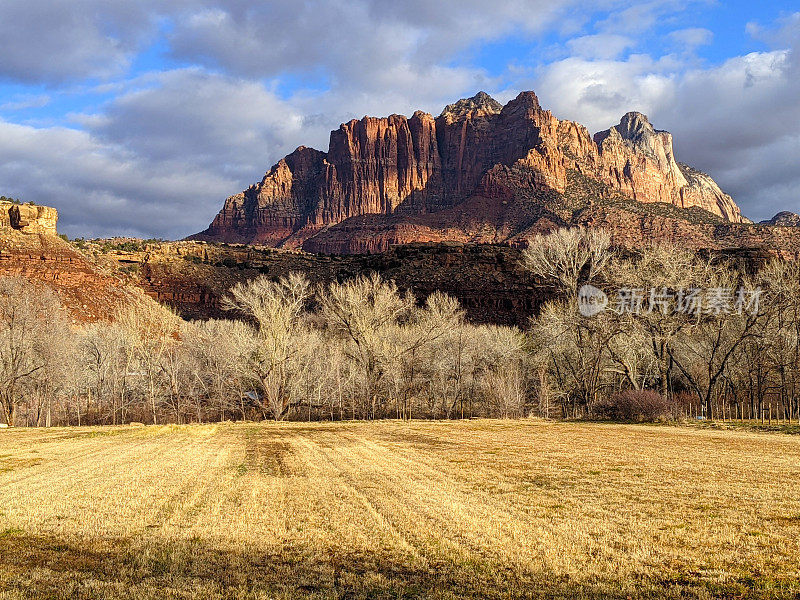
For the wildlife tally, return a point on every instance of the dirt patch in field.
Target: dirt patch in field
(266, 456)
(412, 438)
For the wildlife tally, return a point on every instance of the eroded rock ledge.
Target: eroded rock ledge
(28, 218)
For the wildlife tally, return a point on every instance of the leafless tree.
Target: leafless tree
(278, 308)
(152, 331)
(30, 315)
(360, 312)
(568, 257)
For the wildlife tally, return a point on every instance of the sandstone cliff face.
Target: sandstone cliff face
(397, 180)
(639, 161)
(30, 248)
(281, 204)
(28, 218)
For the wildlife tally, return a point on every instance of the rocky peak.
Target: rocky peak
(634, 126)
(525, 101)
(637, 134)
(481, 104)
(635, 129)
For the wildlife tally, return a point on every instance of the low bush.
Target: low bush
(634, 405)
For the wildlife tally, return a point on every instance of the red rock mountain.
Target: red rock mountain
(479, 172)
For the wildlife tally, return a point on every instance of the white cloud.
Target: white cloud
(26, 101)
(208, 120)
(601, 45)
(784, 33)
(739, 121)
(598, 92)
(691, 38)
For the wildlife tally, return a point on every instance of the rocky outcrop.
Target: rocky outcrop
(28, 218)
(88, 292)
(490, 282)
(31, 249)
(396, 180)
(280, 205)
(639, 161)
(634, 229)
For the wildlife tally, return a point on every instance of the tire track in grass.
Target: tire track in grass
(181, 483)
(408, 499)
(102, 474)
(472, 519)
(51, 489)
(204, 482)
(410, 489)
(65, 454)
(415, 491)
(350, 485)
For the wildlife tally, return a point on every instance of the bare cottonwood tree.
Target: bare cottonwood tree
(220, 354)
(152, 330)
(278, 309)
(567, 257)
(29, 316)
(664, 271)
(361, 311)
(705, 351)
(502, 371)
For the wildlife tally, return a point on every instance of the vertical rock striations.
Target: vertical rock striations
(639, 161)
(406, 174)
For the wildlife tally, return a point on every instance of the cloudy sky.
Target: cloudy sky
(139, 118)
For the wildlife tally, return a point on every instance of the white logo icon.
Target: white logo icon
(591, 301)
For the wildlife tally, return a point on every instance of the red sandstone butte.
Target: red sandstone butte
(479, 172)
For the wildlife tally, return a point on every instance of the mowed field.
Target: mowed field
(474, 509)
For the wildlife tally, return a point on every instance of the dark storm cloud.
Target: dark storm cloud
(103, 188)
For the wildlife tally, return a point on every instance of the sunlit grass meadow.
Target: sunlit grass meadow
(470, 509)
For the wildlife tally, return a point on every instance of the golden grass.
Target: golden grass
(480, 509)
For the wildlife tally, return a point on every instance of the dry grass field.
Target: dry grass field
(480, 509)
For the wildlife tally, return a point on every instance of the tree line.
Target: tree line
(668, 333)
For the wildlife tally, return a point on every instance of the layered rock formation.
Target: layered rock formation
(28, 218)
(88, 292)
(490, 282)
(479, 172)
(30, 248)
